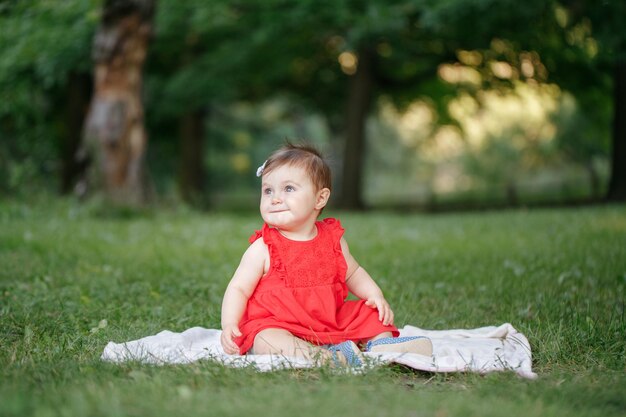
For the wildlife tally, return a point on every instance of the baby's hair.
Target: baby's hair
(304, 156)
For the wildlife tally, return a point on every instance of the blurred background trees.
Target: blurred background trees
(114, 136)
(417, 102)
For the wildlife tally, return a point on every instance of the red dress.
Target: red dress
(305, 292)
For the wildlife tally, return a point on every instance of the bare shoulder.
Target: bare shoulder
(344, 246)
(352, 264)
(258, 249)
(257, 255)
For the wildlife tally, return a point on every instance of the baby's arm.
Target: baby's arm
(361, 284)
(239, 290)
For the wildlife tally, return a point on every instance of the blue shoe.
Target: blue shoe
(350, 352)
(408, 344)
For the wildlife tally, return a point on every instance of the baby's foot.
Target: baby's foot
(408, 344)
(346, 354)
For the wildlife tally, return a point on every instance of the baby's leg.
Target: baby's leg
(282, 342)
(379, 336)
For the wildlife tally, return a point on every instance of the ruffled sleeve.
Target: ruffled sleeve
(333, 226)
(270, 238)
(257, 234)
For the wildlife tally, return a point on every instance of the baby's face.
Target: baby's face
(288, 198)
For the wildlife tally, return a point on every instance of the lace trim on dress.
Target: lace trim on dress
(329, 232)
(334, 226)
(269, 237)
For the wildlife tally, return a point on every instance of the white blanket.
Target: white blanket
(481, 350)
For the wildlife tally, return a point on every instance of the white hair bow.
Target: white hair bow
(259, 170)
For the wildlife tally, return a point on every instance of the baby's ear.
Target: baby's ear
(322, 198)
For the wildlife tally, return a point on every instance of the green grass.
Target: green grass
(559, 276)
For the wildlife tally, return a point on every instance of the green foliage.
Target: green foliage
(70, 281)
(476, 23)
(605, 20)
(44, 40)
(214, 56)
(41, 43)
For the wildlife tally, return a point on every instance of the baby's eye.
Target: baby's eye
(290, 188)
(267, 191)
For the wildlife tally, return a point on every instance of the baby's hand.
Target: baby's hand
(228, 333)
(384, 310)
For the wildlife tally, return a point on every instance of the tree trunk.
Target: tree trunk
(359, 101)
(617, 183)
(114, 134)
(79, 90)
(191, 170)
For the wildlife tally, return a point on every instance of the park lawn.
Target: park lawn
(72, 279)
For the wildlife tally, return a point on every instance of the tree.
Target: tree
(333, 59)
(201, 60)
(114, 136)
(44, 82)
(392, 49)
(584, 49)
(574, 43)
(581, 51)
(607, 19)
